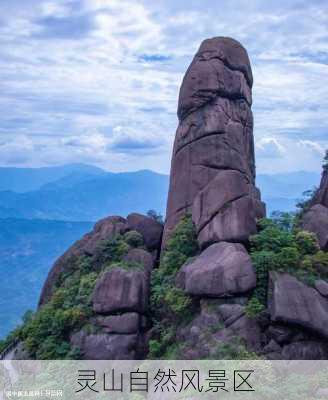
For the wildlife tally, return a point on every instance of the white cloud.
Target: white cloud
(67, 93)
(269, 147)
(309, 145)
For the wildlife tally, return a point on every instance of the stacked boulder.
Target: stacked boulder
(120, 299)
(315, 219)
(213, 179)
(213, 168)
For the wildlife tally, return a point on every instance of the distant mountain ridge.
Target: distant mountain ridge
(22, 180)
(81, 196)
(85, 193)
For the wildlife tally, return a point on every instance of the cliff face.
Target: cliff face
(213, 168)
(315, 219)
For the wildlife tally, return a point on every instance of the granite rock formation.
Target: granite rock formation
(103, 229)
(222, 270)
(213, 167)
(209, 274)
(213, 179)
(315, 219)
(295, 303)
(121, 294)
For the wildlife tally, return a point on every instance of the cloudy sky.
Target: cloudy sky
(96, 81)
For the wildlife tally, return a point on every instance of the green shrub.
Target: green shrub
(171, 306)
(317, 263)
(112, 250)
(155, 349)
(234, 350)
(271, 237)
(134, 239)
(288, 258)
(307, 242)
(181, 246)
(177, 301)
(254, 308)
(283, 220)
(264, 261)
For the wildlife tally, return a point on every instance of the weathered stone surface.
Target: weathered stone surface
(215, 137)
(295, 303)
(235, 222)
(223, 269)
(124, 323)
(322, 287)
(244, 328)
(309, 350)
(106, 347)
(221, 65)
(321, 196)
(140, 257)
(272, 347)
(280, 333)
(226, 209)
(103, 230)
(150, 229)
(120, 290)
(230, 313)
(316, 220)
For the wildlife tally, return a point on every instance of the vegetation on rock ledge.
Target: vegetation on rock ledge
(281, 246)
(171, 306)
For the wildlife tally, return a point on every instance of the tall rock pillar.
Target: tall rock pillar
(213, 168)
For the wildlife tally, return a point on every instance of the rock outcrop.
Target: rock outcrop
(213, 180)
(88, 245)
(120, 298)
(105, 229)
(222, 270)
(120, 290)
(315, 219)
(213, 168)
(293, 302)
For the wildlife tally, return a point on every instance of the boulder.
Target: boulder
(120, 290)
(247, 329)
(280, 333)
(106, 347)
(123, 323)
(230, 313)
(310, 350)
(140, 257)
(105, 229)
(235, 222)
(223, 269)
(225, 209)
(150, 229)
(322, 287)
(292, 302)
(316, 220)
(213, 143)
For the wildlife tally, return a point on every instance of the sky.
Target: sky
(97, 81)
